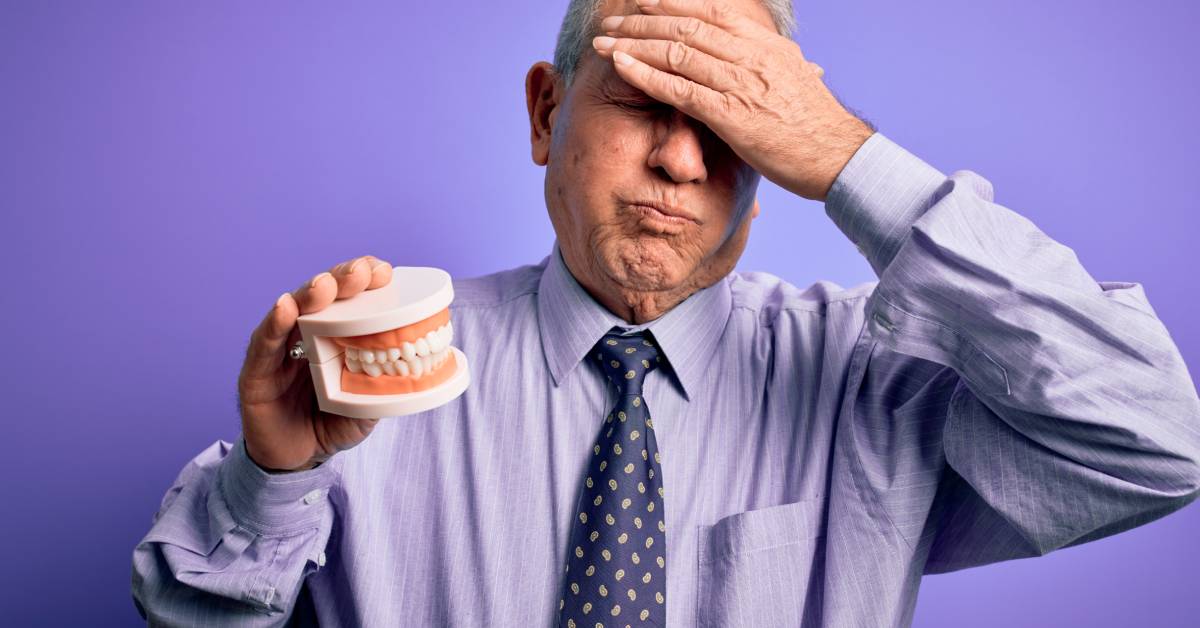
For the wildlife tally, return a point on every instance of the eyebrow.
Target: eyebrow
(615, 90)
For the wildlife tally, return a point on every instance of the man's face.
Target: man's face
(612, 153)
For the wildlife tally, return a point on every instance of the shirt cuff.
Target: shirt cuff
(877, 197)
(272, 504)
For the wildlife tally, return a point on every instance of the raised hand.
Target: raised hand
(750, 85)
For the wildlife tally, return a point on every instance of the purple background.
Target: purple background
(168, 168)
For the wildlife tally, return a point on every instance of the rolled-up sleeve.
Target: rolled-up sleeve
(231, 544)
(1071, 414)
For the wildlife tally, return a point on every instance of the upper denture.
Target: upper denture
(396, 337)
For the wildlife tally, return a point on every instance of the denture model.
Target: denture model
(387, 352)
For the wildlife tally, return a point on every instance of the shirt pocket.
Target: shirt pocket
(757, 568)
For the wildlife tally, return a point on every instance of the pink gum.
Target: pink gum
(398, 336)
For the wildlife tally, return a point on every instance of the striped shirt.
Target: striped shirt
(821, 448)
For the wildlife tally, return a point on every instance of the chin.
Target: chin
(646, 263)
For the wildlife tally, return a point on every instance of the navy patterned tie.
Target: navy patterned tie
(616, 571)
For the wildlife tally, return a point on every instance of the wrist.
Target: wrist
(308, 466)
(842, 141)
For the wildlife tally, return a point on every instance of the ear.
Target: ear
(543, 93)
(754, 212)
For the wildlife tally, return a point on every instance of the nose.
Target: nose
(678, 149)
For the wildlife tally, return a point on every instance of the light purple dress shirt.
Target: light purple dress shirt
(822, 448)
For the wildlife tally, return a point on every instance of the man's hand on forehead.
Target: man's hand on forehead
(752, 86)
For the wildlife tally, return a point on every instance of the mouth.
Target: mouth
(403, 360)
(671, 214)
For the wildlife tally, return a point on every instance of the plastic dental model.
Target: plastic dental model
(387, 352)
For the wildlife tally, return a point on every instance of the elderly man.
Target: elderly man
(654, 439)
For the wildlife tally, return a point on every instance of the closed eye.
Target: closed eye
(645, 105)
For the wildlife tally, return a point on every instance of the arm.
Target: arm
(232, 544)
(1066, 412)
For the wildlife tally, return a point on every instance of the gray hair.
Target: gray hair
(581, 23)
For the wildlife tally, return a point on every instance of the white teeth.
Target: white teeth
(416, 366)
(410, 359)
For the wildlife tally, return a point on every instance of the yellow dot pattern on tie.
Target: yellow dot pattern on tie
(623, 481)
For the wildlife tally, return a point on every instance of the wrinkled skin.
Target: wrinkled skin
(609, 146)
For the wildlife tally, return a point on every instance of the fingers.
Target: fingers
(676, 57)
(689, 30)
(362, 273)
(317, 294)
(381, 273)
(697, 101)
(711, 11)
(342, 282)
(268, 342)
(352, 277)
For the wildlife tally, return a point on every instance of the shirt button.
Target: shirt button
(313, 495)
(321, 559)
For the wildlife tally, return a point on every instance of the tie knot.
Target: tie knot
(627, 359)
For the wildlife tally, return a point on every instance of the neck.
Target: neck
(636, 307)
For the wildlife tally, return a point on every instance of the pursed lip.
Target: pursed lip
(668, 210)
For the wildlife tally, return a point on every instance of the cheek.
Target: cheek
(609, 139)
(597, 168)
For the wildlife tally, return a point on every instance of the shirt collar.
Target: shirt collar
(571, 322)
